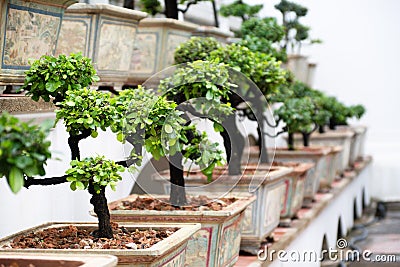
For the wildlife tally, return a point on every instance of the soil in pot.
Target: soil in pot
(72, 237)
(195, 203)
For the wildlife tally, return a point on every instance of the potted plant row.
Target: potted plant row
(84, 112)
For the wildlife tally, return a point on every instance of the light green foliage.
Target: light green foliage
(297, 113)
(196, 48)
(88, 109)
(150, 6)
(53, 76)
(201, 79)
(155, 122)
(264, 70)
(24, 150)
(261, 45)
(240, 9)
(98, 171)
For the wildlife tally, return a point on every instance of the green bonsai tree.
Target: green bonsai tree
(240, 9)
(155, 123)
(263, 35)
(196, 48)
(24, 150)
(51, 77)
(295, 32)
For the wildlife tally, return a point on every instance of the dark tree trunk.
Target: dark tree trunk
(177, 196)
(332, 124)
(290, 141)
(321, 129)
(306, 139)
(234, 145)
(215, 11)
(171, 9)
(129, 4)
(99, 203)
(261, 138)
(73, 142)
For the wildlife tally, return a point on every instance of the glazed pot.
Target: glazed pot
(217, 243)
(168, 252)
(264, 181)
(28, 30)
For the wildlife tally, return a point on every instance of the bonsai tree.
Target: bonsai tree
(196, 48)
(51, 77)
(24, 150)
(295, 32)
(263, 35)
(155, 123)
(265, 72)
(240, 9)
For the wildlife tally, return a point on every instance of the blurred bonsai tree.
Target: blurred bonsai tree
(295, 32)
(240, 9)
(196, 48)
(24, 150)
(152, 7)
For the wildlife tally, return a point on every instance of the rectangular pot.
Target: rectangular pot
(106, 34)
(210, 31)
(316, 155)
(168, 252)
(48, 260)
(156, 42)
(358, 141)
(292, 200)
(28, 30)
(217, 243)
(332, 138)
(267, 184)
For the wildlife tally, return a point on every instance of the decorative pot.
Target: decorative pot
(217, 243)
(66, 260)
(292, 200)
(28, 30)
(106, 34)
(156, 42)
(210, 31)
(168, 252)
(265, 181)
(298, 65)
(316, 155)
(333, 167)
(331, 138)
(357, 146)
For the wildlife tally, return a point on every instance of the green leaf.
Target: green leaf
(94, 134)
(168, 128)
(15, 179)
(120, 137)
(218, 127)
(80, 185)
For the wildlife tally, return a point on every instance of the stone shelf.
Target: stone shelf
(318, 226)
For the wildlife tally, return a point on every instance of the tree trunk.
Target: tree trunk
(232, 135)
(99, 203)
(129, 4)
(306, 139)
(290, 141)
(73, 142)
(171, 9)
(321, 129)
(261, 139)
(332, 124)
(177, 196)
(215, 11)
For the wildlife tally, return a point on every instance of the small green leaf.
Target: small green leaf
(15, 179)
(168, 128)
(94, 134)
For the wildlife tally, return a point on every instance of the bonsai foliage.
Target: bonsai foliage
(156, 123)
(196, 48)
(152, 7)
(240, 9)
(295, 32)
(94, 175)
(24, 150)
(263, 35)
(53, 76)
(84, 111)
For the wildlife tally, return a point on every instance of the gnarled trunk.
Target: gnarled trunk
(99, 203)
(290, 141)
(73, 142)
(177, 196)
(234, 145)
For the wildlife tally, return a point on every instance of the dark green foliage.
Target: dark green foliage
(196, 48)
(240, 9)
(266, 28)
(152, 7)
(24, 150)
(54, 76)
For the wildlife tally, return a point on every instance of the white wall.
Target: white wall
(357, 62)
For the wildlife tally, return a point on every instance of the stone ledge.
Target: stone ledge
(23, 104)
